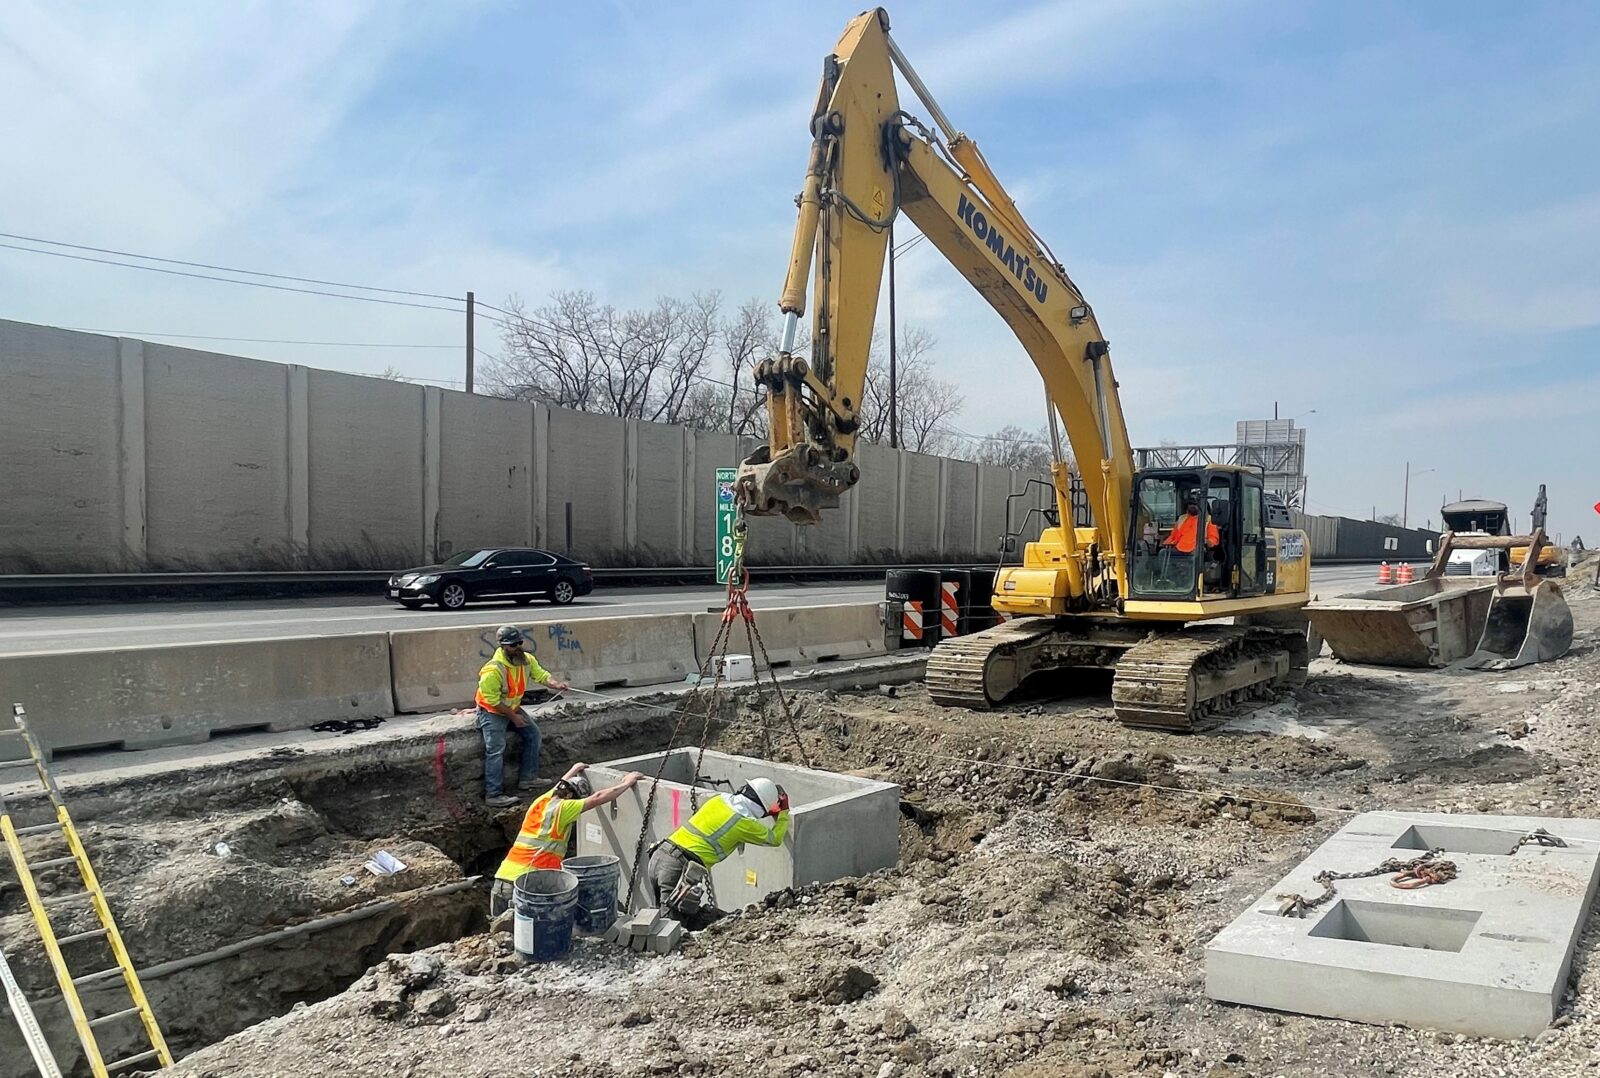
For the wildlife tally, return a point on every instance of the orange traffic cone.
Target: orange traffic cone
(1385, 574)
(1406, 574)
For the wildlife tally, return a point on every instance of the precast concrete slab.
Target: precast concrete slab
(840, 825)
(1486, 953)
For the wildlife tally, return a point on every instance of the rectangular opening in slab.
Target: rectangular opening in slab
(1395, 925)
(1432, 836)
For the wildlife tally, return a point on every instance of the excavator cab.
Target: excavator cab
(1197, 534)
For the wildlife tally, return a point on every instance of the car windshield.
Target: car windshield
(469, 559)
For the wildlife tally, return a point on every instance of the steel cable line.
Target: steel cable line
(229, 269)
(234, 280)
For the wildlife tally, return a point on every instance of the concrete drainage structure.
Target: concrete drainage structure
(840, 825)
(1486, 953)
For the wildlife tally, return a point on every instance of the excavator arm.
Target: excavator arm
(869, 162)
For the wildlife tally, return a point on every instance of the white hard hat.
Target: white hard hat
(763, 792)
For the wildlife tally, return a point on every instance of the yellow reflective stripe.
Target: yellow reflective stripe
(713, 839)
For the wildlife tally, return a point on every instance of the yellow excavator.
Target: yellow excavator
(1169, 547)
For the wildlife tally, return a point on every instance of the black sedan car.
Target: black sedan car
(518, 573)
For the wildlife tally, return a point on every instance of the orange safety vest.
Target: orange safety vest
(540, 843)
(1183, 533)
(514, 677)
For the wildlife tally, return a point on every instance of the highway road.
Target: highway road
(78, 627)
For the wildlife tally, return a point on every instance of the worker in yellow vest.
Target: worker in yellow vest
(501, 683)
(680, 864)
(547, 828)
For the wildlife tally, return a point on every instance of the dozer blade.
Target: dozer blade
(1527, 625)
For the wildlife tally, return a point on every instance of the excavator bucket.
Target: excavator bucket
(1527, 625)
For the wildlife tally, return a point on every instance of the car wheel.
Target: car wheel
(411, 604)
(563, 592)
(452, 596)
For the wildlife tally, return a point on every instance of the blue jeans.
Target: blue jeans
(493, 727)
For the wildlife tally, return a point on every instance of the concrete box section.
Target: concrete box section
(174, 695)
(1486, 953)
(438, 668)
(840, 825)
(795, 636)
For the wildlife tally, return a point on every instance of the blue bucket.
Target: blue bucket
(545, 901)
(597, 890)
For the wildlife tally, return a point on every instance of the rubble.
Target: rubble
(1041, 921)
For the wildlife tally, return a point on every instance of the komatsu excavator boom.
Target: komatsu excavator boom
(1168, 547)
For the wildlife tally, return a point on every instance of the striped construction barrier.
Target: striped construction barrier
(949, 609)
(911, 621)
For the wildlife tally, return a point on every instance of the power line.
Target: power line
(253, 340)
(228, 269)
(233, 280)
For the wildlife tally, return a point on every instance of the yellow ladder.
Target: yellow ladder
(62, 828)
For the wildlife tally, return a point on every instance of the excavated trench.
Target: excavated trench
(241, 891)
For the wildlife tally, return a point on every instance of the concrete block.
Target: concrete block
(1486, 953)
(436, 669)
(639, 944)
(643, 922)
(664, 940)
(839, 826)
(174, 695)
(795, 636)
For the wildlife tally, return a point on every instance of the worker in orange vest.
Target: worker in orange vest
(1183, 533)
(501, 683)
(547, 827)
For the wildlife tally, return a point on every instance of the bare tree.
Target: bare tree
(1013, 447)
(394, 374)
(1388, 518)
(576, 353)
(924, 402)
(747, 338)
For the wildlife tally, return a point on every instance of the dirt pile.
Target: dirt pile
(1058, 881)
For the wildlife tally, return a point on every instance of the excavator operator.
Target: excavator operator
(1184, 532)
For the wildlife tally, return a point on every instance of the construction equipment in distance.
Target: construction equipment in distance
(1466, 608)
(62, 828)
(1118, 595)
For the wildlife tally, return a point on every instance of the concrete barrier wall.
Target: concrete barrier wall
(351, 504)
(797, 636)
(125, 455)
(175, 695)
(435, 669)
(62, 444)
(217, 457)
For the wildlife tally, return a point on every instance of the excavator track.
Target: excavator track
(1181, 679)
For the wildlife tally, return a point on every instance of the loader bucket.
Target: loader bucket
(1527, 625)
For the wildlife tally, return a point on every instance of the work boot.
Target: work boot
(502, 802)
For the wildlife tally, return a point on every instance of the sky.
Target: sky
(1383, 218)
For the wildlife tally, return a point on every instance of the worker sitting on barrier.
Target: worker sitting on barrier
(679, 870)
(547, 827)
(501, 683)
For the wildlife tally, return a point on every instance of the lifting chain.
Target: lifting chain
(1422, 871)
(736, 609)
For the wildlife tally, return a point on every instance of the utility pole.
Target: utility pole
(1405, 499)
(1274, 409)
(471, 303)
(894, 348)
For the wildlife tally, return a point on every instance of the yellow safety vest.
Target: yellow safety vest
(715, 832)
(513, 680)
